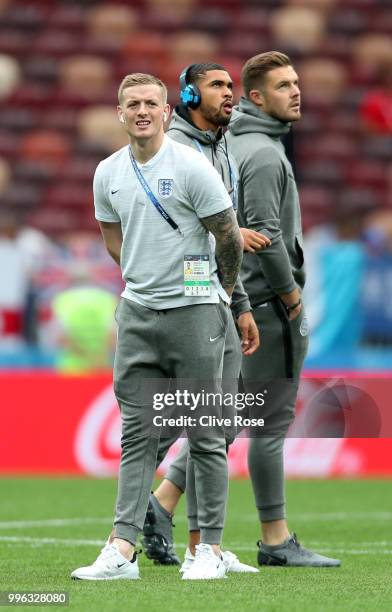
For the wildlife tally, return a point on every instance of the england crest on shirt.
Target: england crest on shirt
(165, 187)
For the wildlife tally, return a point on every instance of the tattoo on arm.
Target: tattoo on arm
(229, 245)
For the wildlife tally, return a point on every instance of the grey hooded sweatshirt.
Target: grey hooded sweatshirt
(267, 202)
(214, 147)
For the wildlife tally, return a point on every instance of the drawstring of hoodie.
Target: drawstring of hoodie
(231, 173)
(213, 153)
(182, 122)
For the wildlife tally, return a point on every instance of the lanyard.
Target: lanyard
(233, 174)
(150, 194)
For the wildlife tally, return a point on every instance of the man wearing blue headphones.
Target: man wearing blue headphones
(206, 107)
(206, 100)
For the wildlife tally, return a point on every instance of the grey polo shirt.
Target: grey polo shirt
(152, 254)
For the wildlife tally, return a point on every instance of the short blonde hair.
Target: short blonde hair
(138, 78)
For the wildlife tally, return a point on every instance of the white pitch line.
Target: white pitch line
(335, 551)
(332, 516)
(324, 516)
(78, 542)
(307, 516)
(55, 522)
(44, 541)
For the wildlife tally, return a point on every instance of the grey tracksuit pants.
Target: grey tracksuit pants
(181, 472)
(281, 355)
(167, 344)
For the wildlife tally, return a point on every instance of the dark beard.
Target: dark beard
(215, 117)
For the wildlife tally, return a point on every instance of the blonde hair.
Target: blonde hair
(138, 78)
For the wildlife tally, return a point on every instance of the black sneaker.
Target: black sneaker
(291, 554)
(157, 538)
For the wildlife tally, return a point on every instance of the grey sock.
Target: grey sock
(159, 507)
(270, 548)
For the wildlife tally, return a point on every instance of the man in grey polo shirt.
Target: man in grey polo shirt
(156, 202)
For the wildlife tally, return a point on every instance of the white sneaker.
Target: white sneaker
(233, 564)
(110, 565)
(231, 561)
(188, 561)
(206, 565)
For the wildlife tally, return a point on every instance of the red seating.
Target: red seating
(9, 144)
(79, 170)
(368, 173)
(68, 195)
(67, 17)
(53, 158)
(57, 43)
(55, 222)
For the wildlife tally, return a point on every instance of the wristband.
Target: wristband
(293, 306)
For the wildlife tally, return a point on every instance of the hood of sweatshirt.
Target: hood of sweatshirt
(247, 117)
(212, 145)
(181, 120)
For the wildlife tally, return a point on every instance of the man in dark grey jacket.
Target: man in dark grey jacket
(273, 279)
(206, 107)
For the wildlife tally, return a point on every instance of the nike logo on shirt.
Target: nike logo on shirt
(213, 339)
(113, 191)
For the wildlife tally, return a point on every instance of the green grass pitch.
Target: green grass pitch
(48, 527)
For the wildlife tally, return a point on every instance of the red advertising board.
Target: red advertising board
(54, 424)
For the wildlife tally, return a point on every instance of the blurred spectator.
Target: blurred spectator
(3, 5)
(325, 6)
(85, 75)
(188, 47)
(5, 175)
(371, 51)
(335, 267)
(73, 250)
(376, 106)
(14, 284)
(150, 45)
(46, 147)
(171, 11)
(377, 307)
(99, 125)
(10, 75)
(111, 24)
(378, 232)
(298, 28)
(388, 198)
(322, 81)
(22, 252)
(83, 324)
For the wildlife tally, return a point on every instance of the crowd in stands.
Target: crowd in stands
(60, 65)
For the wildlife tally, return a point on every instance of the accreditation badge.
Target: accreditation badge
(197, 275)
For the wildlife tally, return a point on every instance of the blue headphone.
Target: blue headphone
(190, 94)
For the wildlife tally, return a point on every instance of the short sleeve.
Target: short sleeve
(103, 209)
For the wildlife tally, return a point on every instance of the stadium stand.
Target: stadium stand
(61, 61)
